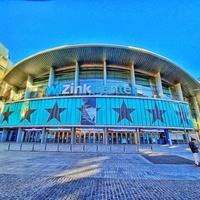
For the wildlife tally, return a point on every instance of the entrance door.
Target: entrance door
(32, 136)
(121, 137)
(97, 137)
(58, 137)
(89, 137)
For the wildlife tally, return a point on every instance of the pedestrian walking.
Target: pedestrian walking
(195, 150)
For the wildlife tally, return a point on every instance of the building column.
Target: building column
(132, 71)
(13, 92)
(20, 135)
(4, 135)
(179, 92)
(77, 69)
(104, 73)
(73, 135)
(159, 85)
(137, 136)
(197, 113)
(2, 105)
(133, 83)
(43, 138)
(105, 136)
(51, 76)
(29, 83)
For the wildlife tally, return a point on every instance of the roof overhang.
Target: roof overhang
(64, 56)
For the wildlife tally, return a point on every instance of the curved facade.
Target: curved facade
(99, 94)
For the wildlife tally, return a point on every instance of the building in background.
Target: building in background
(104, 94)
(5, 64)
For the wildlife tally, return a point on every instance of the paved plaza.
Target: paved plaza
(90, 172)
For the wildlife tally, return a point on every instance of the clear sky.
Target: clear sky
(170, 28)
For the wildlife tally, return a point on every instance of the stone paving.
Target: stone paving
(56, 175)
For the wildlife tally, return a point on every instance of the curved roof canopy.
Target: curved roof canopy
(144, 61)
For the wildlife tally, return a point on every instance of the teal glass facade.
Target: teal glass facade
(101, 111)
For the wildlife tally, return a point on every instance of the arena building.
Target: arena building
(96, 93)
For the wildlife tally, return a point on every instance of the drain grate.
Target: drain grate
(167, 159)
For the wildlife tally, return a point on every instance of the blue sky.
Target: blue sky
(169, 28)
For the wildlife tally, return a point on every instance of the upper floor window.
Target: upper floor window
(145, 85)
(90, 76)
(65, 76)
(118, 76)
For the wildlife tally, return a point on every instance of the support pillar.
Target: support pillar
(4, 135)
(13, 92)
(105, 136)
(159, 85)
(28, 87)
(76, 79)
(132, 71)
(197, 114)
(43, 138)
(19, 135)
(137, 136)
(2, 105)
(104, 73)
(73, 140)
(179, 92)
(51, 76)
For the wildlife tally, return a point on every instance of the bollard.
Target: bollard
(151, 147)
(71, 147)
(45, 147)
(9, 146)
(124, 148)
(83, 148)
(137, 148)
(97, 148)
(58, 147)
(20, 147)
(33, 147)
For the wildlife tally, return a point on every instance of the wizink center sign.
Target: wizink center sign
(67, 89)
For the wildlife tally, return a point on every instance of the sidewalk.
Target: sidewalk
(94, 148)
(27, 174)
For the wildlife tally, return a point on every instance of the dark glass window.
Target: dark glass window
(65, 76)
(116, 76)
(145, 85)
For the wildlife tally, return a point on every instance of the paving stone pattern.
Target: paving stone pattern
(32, 187)
(167, 159)
(27, 175)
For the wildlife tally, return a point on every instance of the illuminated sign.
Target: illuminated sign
(66, 89)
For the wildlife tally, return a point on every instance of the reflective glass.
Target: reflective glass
(117, 77)
(145, 86)
(64, 76)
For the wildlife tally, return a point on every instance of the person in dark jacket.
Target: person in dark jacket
(195, 151)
